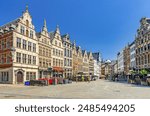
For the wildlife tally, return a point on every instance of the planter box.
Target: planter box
(38, 82)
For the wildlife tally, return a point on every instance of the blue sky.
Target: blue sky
(96, 25)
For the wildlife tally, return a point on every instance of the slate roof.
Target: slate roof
(51, 34)
(148, 20)
(83, 52)
(13, 23)
(96, 56)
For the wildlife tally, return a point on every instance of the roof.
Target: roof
(51, 34)
(96, 56)
(12, 23)
(132, 43)
(38, 34)
(66, 36)
(108, 61)
(148, 20)
(88, 53)
(83, 52)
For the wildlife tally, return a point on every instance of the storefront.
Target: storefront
(58, 72)
(45, 73)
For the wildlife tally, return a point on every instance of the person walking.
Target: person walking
(76, 79)
(82, 78)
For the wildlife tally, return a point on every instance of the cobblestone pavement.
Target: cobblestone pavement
(100, 89)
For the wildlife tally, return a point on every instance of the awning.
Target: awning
(58, 69)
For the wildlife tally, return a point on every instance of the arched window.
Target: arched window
(27, 23)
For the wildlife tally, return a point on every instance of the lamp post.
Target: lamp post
(12, 50)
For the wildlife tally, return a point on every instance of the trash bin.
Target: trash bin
(27, 83)
(66, 81)
(50, 81)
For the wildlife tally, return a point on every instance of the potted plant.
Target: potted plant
(144, 73)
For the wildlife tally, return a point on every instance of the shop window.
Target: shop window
(5, 76)
(30, 75)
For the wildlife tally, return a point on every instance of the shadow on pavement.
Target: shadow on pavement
(125, 83)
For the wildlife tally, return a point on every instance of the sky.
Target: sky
(96, 25)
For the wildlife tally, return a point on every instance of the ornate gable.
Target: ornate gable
(79, 52)
(57, 33)
(26, 19)
(90, 56)
(44, 30)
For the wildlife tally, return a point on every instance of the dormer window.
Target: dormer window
(6, 29)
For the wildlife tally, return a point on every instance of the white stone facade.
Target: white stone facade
(132, 56)
(120, 59)
(96, 68)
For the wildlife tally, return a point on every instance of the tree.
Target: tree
(133, 72)
(144, 72)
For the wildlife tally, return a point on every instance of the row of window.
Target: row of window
(5, 44)
(27, 45)
(26, 32)
(45, 41)
(25, 59)
(68, 53)
(132, 56)
(132, 49)
(132, 64)
(68, 62)
(143, 49)
(67, 45)
(57, 43)
(44, 62)
(68, 75)
(143, 60)
(143, 39)
(44, 51)
(4, 76)
(57, 62)
(57, 52)
(5, 58)
(30, 75)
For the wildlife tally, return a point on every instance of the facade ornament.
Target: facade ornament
(27, 8)
(45, 26)
(57, 29)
